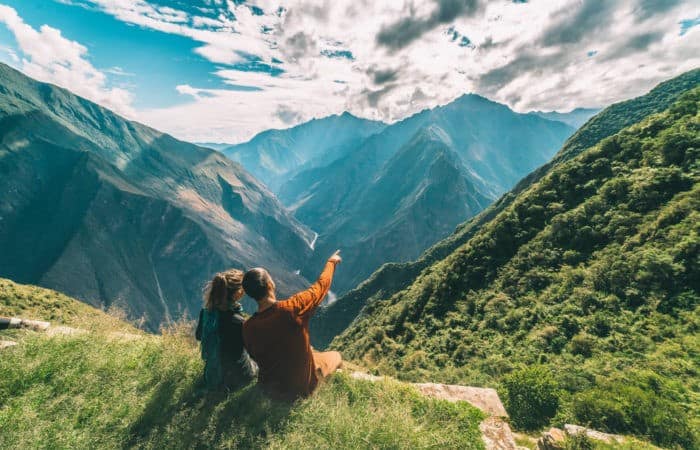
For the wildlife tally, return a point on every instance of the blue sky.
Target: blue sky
(222, 70)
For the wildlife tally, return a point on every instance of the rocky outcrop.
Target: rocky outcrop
(555, 438)
(573, 430)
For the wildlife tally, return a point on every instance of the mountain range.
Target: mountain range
(394, 277)
(387, 192)
(575, 118)
(118, 214)
(276, 156)
(577, 293)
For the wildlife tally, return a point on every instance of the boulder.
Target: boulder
(554, 439)
(496, 434)
(593, 434)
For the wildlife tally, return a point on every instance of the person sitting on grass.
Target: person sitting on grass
(277, 335)
(227, 365)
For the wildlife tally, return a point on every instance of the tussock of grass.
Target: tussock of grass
(95, 391)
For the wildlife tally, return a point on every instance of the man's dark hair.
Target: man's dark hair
(258, 284)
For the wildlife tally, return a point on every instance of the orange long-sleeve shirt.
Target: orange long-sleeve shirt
(278, 340)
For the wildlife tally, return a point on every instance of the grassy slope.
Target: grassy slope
(395, 277)
(591, 272)
(97, 391)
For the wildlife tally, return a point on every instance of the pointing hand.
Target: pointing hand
(335, 257)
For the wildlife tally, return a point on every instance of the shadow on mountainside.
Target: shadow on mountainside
(197, 418)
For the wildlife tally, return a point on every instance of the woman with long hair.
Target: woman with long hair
(226, 363)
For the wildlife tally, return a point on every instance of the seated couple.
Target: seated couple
(276, 337)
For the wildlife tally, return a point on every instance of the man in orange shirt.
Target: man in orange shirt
(277, 335)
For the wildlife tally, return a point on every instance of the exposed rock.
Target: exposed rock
(553, 439)
(485, 399)
(593, 434)
(16, 322)
(496, 434)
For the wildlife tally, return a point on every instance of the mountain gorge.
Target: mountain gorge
(409, 185)
(577, 293)
(116, 213)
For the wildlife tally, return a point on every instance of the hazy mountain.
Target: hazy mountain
(393, 278)
(274, 156)
(214, 145)
(410, 185)
(574, 118)
(114, 212)
(582, 283)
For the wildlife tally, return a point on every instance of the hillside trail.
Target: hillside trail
(495, 430)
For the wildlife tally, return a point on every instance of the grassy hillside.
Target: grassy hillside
(98, 391)
(580, 299)
(395, 277)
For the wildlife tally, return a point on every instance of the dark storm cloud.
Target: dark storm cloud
(404, 31)
(634, 44)
(383, 76)
(288, 115)
(299, 44)
(648, 8)
(571, 28)
(373, 97)
(523, 63)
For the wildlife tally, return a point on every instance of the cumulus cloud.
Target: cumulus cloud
(50, 57)
(387, 60)
(407, 29)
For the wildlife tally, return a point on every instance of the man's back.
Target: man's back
(278, 340)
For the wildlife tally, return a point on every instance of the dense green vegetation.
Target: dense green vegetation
(392, 277)
(592, 273)
(100, 390)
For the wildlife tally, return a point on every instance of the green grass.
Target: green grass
(95, 390)
(32, 302)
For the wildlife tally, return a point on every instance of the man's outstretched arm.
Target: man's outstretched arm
(305, 302)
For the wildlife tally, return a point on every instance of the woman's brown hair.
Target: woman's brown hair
(223, 290)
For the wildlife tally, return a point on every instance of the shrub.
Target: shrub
(623, 407)
(582, 344)
(531, 397)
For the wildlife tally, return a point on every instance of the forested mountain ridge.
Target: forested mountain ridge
(580, 298)
(114, 212)
(393, 277)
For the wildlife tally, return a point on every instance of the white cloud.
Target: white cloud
(530, 56)
(50, 57)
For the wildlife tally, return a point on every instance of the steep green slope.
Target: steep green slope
(592, 272)
(113, 212)
(394, 277)
(97, 391)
